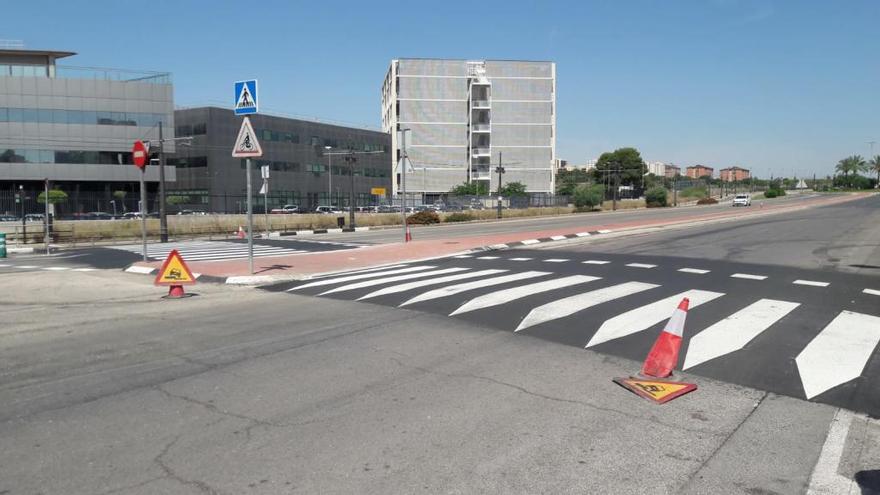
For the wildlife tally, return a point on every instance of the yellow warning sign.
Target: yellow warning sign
(174, 271)
(377, 191)
(659, 391)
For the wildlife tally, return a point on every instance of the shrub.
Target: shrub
(588, 197)
(426, 217)
(693, 192)
(707, 201)
(655, 197)
(771, 193)
(459, 217)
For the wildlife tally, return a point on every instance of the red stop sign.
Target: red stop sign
(139, 154)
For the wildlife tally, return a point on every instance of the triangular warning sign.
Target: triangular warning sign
(246, 145)
(174, 271)
(659, 391)
(245, 100)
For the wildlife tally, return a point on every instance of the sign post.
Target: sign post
(264, 173)
(139, 156)
(247, 146)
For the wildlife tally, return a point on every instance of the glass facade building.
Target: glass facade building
(303, 171)
(76, 126)
(467, 116)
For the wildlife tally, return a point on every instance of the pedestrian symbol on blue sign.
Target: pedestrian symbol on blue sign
(245, 97)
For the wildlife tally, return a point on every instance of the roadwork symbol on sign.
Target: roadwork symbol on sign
(246, 146)
(245, 97)
(659, 391)
(174, 271)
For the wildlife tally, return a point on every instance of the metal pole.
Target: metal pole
(143, 213)
(250, 218)
(23, 226)
(163, 222)
(266, 205)
(329, 181)
(500, 171)
(351, 200)
(403, 179)
(47, 216)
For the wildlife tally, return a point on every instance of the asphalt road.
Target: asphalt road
(104, 388)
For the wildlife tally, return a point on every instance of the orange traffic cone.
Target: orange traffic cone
(663, 356)
(241, 234)
(176, 292)
(408, 234)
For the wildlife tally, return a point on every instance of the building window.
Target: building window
(200, 129)
(315, 141)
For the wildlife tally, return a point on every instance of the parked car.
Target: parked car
(8, 218)
(33, 217)
(132, 215)
(742, 200)
(191, 212)
(285, 210)
(327, 210)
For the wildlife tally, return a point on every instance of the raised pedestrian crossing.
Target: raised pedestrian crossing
(222, 250)
(614, 310)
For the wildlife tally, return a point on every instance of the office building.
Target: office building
(699, 171)
(305, 160)
(465, 117)
(734, 174)
(75, 127)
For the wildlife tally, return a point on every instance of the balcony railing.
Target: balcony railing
(481, 127)
(480, 104)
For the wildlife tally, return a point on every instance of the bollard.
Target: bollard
(2, 245)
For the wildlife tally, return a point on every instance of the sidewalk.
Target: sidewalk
(300, 266)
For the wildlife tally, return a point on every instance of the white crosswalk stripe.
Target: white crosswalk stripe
(361, 276)
(208, 251)
(386, 280)
(647, 316)
(748, 276)
(595, 262)
(425, 283)
(571, 305)
(696, 271)
(839, 353)
(555, 260)
(734, 332)
(476, 284)
(507, 295)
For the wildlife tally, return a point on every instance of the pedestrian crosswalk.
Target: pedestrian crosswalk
(607, 308)
(208, 250)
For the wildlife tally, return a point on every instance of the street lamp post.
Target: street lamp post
(329, 177)
(500, 170)
(351, 159)
(23, 226)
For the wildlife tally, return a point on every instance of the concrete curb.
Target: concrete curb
(233, 280)
(19, 250)
(541, 240)
(318, 231)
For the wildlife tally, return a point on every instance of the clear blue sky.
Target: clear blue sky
(790, 86)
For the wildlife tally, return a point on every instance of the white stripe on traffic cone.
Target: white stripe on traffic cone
(663, 356)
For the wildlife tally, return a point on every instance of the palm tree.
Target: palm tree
(851, 164)
(875, 166)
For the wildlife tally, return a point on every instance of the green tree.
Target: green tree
(875, 166)
(473, 188)
(55, 196)
(568, 180)
(587, 196)
(655, 197)
(623, 166)
(120, 194)
(513, 189)
(850, 165)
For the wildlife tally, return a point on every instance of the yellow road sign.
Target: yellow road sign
(659, 391)
(174, 271)
(377, 191)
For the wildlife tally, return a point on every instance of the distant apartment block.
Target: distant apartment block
(671, 171)
(734, 174)
(467, 116)
(698, 171)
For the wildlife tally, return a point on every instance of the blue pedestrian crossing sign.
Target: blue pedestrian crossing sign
(245, 97)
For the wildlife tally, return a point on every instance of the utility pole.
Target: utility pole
(329, 177)
(500, 170)
(163, 221)
(403, 162)
(351, 159)
(250, 217)
(47, 216)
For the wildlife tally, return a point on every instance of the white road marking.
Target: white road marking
(839, 353)
(697, 271)
(56, 268)
(579, 302)
(385, 280)
(646, 316)
(462, 256)
(530, 241)
(825, 478)
(555, 260)
(748, 276)
(582, 234)
(520, 259)
(25, 267)
(140, 269)
(451, 290)
(355, 272)
(4, 266)
(604, 231)
(361, 276)
(488, 258)
(872, 292)
(84, 269)
(424, 283)
(735, 331)
(811, 283)
(499, 246)
(507, 295)
(595, 262)
(558, 237)
(640, 265)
